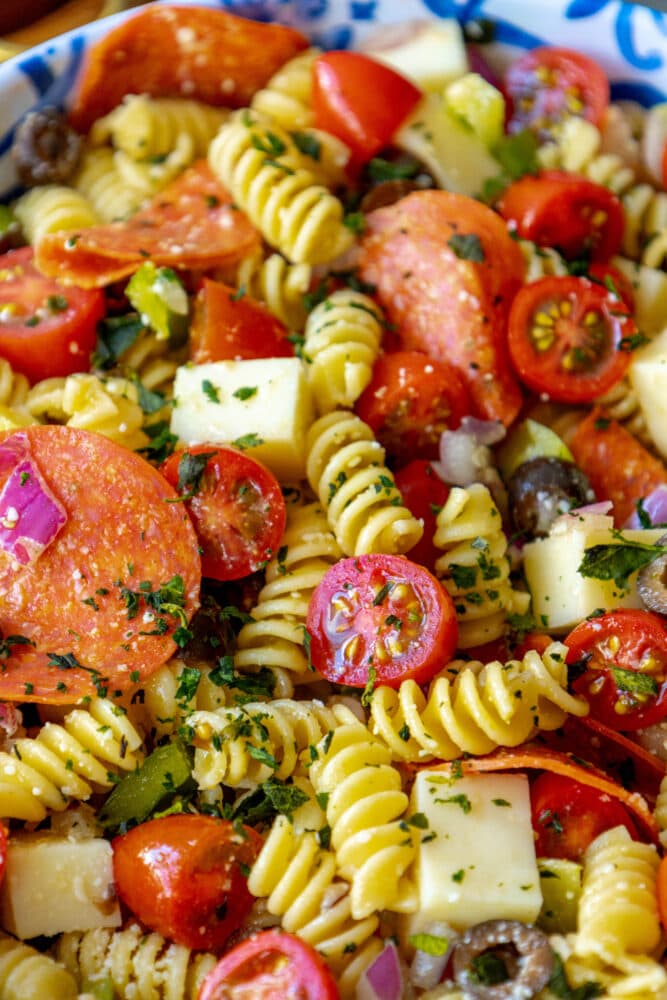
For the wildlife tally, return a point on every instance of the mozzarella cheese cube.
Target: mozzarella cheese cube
(481, 864)
(430, 53)
(264, 406)
(562, 597)
(648, 375)
(58, 884)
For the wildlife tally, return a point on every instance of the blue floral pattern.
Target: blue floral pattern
(629, 40)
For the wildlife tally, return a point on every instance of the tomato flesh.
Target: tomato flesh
(424, 494)
(567, 816)
(360, 100)
(380, 618)
(624, 654)
(236, 506)
(549, 84)
(566, 338)
(46, 329)
(228, 327)
(271, 965)
(182, 876)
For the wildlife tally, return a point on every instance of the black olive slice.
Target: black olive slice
(46, 149)
(652, 582)
(502, 960)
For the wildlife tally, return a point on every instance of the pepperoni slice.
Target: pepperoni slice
(171, 51)
(618, 466)
(192, 223)
(446, 271)
(100, 604)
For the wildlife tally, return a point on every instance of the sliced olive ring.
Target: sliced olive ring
(542, 489)
(502, 960)
(652, 582)
(46, 149)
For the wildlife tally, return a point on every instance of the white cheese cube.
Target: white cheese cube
(58, 884)
(264, 404)
(430, 53)
(480, 865)
(648, 375)
(562, 597)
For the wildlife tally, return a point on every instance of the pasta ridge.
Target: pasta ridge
(28, 974)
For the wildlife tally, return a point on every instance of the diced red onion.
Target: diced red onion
(464, 453)
(383, 979)
(427, 970)
(10, 718)
(30, 515)
(601, 507)
(478, 64)
(392, 36)
(655, 505)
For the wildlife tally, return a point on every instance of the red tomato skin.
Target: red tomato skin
(182, 876)
(410, 400)
(542, 370)
(423, 493)
(357, 583)
(238, 512)
(634, 634)
(619, 468)
(228, 328)
(453, 309)
(661, 887)
(60, 343)
(572, 70)
(567, 816)
(346, 87)
(557, 209)
(274, 964)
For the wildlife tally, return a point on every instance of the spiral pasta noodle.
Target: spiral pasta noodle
(148, 128)
(68, 761)
(27, 974)
(618, 922)
(152, 361)
(286, 98)
(299, 878)
(345, 466)
(342, 342)
(541, 262)
(275, 636)
(227, 741)
(475, 569)
(259, 164)
(51, 208)
(365, 806)
(141, 966)
(621, 403)
(472, 707)
(100, 181)
(660, 811)
(107, 405)
(173, 692)
(14, 389)
(279, 284)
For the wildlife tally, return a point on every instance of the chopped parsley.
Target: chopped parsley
(467, 246)
(245, 392)
(618, 562)
(210, 391)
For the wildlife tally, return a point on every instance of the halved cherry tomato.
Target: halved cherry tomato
(271, 965)
(573, 214)
(46, 329)
(614, 280)
(538, 641)
(424, 494)
(183, 876)
(410, 400)
(566, 338)
(360, 100)
(228, 326)
(549, 84)
(380, 618)
(236, 506)
(617, 465)
(624, 654)
(567, 815)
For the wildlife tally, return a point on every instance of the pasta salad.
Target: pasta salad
(333, 499)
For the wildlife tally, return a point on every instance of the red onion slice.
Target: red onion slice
(383, 979)
(655, 505)
(30, 515)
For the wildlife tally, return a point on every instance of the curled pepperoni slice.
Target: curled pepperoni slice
(192, 223)
(446, 271)
(100, 605)
(171, 51)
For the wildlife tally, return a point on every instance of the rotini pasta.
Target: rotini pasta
(541, 262)
(14, 389)
(287, 96)
(279, 284)
(345, 466)
(172, 693)
(472, 707)
(141, 966)
(243, 746)
(100, 181)
(660, 811)
(342, 342)
(365, 805)
(299, 878)
(475, 568)
(107, 405)
(67, 761)
(275, 636)
(621, 403)
(264, 171)
(27, 974)
(54, 207)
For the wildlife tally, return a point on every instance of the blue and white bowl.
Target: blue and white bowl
(629, 40)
